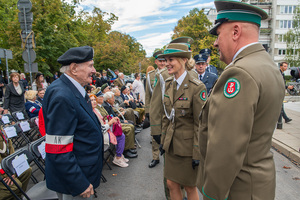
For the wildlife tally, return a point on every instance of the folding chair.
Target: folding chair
(29, 130)
(20, 115)
(15, 133)
(109, 152)
(8, 188)
(6, 119)
(34, 149)
(39, 190)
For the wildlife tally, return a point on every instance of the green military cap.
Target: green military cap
(104, 86)
(176, 50)
(183, 40)
(229, 10)
(156, 53)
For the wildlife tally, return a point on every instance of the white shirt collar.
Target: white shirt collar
(180, 79)
(202, 74)
(77, 85)
(241, 49)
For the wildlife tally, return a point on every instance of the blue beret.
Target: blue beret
(77, 55)
(200, 58)
(205, 51)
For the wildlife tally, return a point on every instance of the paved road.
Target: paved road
(138, 182)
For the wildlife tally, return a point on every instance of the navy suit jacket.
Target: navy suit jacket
(74, 141)
(211, 69)
(209, 80)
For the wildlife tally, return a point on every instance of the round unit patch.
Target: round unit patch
(203, 95)
(232, 88)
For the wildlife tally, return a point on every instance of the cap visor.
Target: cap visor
(214, 29)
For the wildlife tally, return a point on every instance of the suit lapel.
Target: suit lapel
(82, 100)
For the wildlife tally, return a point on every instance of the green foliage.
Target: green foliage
(292, 38)
(196, 25)
(57, 27)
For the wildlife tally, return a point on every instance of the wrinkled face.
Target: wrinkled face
(174, 66)
(100, 100)
(41, 94)
(15, 79)
(200, 67)
(125, 91)
(118, 93)
(224, 43)
(93, 101)
(111, 100)
(160, 63)
(122, 76)
(84, 72)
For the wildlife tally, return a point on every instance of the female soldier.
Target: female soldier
(183, 98)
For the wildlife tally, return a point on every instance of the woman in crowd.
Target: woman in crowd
(183, 98)
(14, 95)
(31, 107)
(119, 141)
(138, 88)
(39, 82)
(24, 81)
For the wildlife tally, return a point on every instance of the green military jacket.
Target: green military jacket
(156, 107)
(236, 127)
(182, 130)
(149, 89)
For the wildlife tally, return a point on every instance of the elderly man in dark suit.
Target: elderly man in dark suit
(74, 142)
(206, 77)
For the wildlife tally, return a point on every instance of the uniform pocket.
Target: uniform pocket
(184, 109)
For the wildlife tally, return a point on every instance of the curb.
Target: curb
(286, 150)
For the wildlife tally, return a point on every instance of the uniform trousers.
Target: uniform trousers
(155, 150)
(128, 130)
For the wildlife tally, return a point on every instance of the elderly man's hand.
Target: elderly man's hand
(88, 192)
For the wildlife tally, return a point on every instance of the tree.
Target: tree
(196, 25)
(292, 38)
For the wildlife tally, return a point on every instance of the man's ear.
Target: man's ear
(237, 30)
(73, 68)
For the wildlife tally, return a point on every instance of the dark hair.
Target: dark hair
(37, 80)
(281, 64)
(88, 88)
(136, 75)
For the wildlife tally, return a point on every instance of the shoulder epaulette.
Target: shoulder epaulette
(169, 79)
(162, 70)
(152, 71)
(195, 81)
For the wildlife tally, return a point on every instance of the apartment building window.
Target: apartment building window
(285, 24)
(281, 52)
(287, 9)
(281, 38)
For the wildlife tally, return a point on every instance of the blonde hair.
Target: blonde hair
(30, 94)
(189, 64)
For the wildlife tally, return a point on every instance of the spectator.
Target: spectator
(104, 78)
(120, 80)
(138, 88)
(117, 72)
(2, 84)
(31, 107)
(283, 68)
(6, 149)
(105, 88)
(24, 81)
(39, 82)
(98, 79)
(14, 95)
(119, 141)
(88, 89)
(55, 76)
(40, 97)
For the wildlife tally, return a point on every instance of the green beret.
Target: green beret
(76, 55)
(104, 86)
(229, 10)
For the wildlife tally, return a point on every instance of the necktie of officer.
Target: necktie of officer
(200, 76)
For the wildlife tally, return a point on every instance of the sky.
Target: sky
(150, 22)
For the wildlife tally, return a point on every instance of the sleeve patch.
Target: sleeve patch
(203, 95)
(231, 88)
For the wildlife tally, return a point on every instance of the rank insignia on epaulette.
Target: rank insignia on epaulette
(203, 95)
(232, 88)
(183, 99)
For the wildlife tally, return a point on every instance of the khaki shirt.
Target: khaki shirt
(156, 107)
(236, 128)
(182, 131)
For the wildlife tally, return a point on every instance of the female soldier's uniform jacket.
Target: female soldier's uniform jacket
(182, 129)
(156, 110)
(236, 127)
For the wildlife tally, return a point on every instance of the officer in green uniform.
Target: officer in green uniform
(6, 148)
(183, 98)
(239, 117)
(153, 100)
